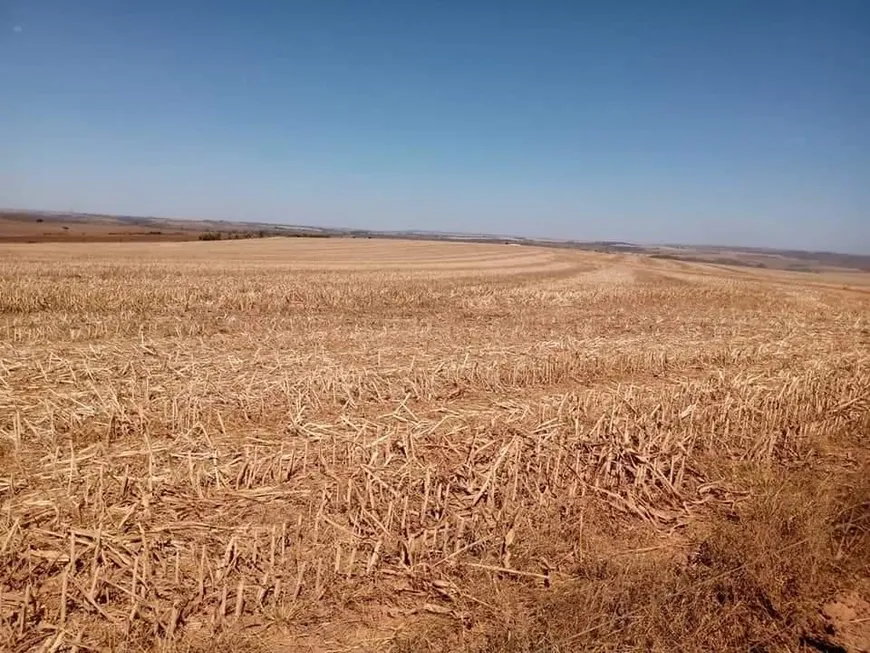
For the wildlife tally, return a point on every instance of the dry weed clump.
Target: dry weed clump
(753, 580)
(344, 445)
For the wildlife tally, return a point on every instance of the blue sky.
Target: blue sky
(731, 122)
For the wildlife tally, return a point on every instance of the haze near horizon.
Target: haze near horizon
(739, 123)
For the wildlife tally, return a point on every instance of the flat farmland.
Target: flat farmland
(368, 445)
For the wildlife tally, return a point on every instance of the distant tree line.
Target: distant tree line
(232, 235)
(244, 235)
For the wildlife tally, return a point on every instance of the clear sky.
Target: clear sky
(700, 121)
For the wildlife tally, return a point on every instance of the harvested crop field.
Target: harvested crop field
(365, 445)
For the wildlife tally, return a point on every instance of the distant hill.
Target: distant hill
(56, 226)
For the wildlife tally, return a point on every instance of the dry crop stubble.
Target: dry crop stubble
(361, 444)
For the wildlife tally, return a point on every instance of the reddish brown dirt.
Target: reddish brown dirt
(849, 614)
(30, 230)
